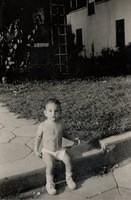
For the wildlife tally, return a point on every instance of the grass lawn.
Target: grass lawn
(92, 109)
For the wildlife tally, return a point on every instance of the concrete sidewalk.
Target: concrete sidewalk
(17, 159)
(16, 146)
(116, 185)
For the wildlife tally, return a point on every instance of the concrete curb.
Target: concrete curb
(111, 151)
(114, 140)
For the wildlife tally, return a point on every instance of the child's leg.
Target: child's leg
(67, 161)
(68, 166)
(49, 161)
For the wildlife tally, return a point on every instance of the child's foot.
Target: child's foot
(50, 187)
(71, 184)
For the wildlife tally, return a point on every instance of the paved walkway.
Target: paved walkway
(16, 157)
(16, 145)
(115, 185)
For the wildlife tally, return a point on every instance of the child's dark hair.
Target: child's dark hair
(53, 100)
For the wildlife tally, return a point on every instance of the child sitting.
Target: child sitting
(50, 132)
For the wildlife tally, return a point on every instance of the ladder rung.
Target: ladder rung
(61, 54)
(60, 25)
(62, 34)
(61, 15)
(55, 4)
(60, 65)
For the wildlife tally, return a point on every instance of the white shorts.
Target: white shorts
(59, 155)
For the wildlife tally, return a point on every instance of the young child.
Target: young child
(50, 132)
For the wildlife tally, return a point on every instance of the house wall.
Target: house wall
(123, 11)
(99, 29)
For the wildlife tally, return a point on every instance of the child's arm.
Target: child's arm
(76, 140)
(38, 140)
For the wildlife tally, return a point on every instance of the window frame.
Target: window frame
(79, 37)
(120, 32)
(91, 7)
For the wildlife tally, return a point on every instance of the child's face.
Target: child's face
(52, 112)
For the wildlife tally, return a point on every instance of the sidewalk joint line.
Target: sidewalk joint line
(28, 147)
(121, 187)
(101, 193)
(11, 139)
(117, 186)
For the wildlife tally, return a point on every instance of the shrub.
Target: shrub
(110, 62)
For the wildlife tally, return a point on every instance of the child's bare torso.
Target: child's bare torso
(52, 135)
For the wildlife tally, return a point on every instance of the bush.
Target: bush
(109, 63)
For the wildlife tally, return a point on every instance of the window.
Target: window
(120, 33)
(75, 4)
(81, 3)
(98, 0)
(91, 7)
(79, 41)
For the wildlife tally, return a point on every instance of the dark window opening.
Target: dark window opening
(75, 4)
(79, 41)
(91, 7)
(81, 3)
(120, 33)
(98, 0)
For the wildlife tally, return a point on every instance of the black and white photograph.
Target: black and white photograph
(65, 107)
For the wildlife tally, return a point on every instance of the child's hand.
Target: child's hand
(38, 154)
(77, 141)
(41, 155)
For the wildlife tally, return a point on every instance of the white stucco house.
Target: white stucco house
(99, 24)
